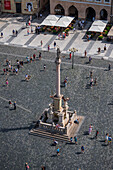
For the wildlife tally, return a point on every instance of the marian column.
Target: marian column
(58, 96)
(58, 62)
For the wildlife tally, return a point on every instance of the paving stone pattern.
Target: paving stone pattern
(96, 104)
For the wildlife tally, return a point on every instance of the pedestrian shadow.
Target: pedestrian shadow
(106, 70)
(52, 144)
(102, 141)
(86, 133)
(23, 80)
(104, 144)
(87, 62)
(68, 59)
(6, 107)
(92, 138)
(88, 86)
(70, 143)
(78, 153)
(62, 85)
(110, 103)
(41, 70)
(55, 155)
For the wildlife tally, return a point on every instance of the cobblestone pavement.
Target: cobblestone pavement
(96, 104)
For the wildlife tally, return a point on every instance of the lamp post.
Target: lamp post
(73, 50)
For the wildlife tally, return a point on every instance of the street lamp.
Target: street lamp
(73, 50)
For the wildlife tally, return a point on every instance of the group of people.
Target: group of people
(12, 105)
(10, 69)
(81, 24)
(75, 139)
(92, 82)
(15, 32)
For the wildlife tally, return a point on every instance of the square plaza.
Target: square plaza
(32, 97)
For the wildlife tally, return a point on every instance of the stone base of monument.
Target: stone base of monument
(52, 131)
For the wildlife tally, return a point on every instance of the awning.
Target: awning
(50, 20)
(98, 26)
(57, 20)
(64, 21)
(110, 34)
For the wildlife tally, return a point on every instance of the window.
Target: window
(107, 1)
(97, 0)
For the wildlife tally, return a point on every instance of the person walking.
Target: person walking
(90, 129)
(15, 105)
(48, 47)
(44, 66)
(2, 34)
(70, 55)
(97, 132)
(41, 43)
(85, 53)
(95, 82)
(58, 151)
(104, 47)
(74, 29)
(34, 56)
(99, 49)
(26, 166)
(109, 140)
(106, 138)
(10, 104)
(40, 55)
(75, 139)
(82, 149)
(71, 139)
(109, 67)
(90, 59)
(13, 32)
(54, 44)
(7, 82)
(31, 29)
(91, 82)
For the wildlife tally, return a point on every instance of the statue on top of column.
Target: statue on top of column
(58, 52)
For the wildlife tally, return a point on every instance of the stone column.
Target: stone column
(58, 97)
(58, 62)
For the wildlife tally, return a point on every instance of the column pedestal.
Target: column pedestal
(57, 103)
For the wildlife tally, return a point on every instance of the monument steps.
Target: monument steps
(46, 134)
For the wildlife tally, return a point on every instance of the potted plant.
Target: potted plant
(100, 37)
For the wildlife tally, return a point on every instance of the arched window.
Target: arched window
(103, 14)
(59, 10)
(90, 13)
(73, 11)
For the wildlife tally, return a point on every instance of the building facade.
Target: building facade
(23, 6)
(85, 9)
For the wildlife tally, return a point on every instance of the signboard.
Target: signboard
(7, 5)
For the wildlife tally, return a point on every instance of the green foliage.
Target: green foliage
(100, 37)
(108, 28)
(106, 32)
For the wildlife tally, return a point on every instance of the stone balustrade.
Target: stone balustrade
(51, 128)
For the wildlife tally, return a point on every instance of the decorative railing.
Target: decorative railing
(51, 128)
